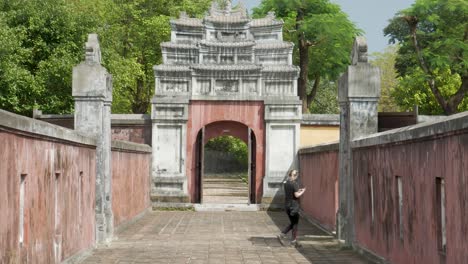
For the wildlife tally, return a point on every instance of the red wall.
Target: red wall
(20, 153)
(418, 164)
(133, 133)
(130, 184)
(319, 173)
(227, 128)
(202, 113)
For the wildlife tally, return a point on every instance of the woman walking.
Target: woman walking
(291, 205)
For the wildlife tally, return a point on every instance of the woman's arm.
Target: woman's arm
(299, 193)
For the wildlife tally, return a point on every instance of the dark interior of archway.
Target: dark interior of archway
(225, 175)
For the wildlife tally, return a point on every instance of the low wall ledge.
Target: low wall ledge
(331, 146)
(41, 128)
(119, 145)
(321, 119)
(449, 124)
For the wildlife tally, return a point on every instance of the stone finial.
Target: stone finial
(183, 14)
(228, 7)
(271, 15)
(92, 49)
(359, 53)
(243, 9)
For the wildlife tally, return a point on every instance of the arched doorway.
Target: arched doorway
(225, 128)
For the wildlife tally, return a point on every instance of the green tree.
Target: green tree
(230, 144)
(131, 39)
(388, 77)
(326, 100)
(40, 43)
(433, 58)
(323, 35)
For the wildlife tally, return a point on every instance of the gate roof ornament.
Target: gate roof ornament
(227, 46)
(92, 49)
(359, 53)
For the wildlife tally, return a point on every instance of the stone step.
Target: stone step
(225, 191)
(226, 199)
(224, 180)
(212, 207)
(224, 186)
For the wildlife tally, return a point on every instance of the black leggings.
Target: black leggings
(294, 220)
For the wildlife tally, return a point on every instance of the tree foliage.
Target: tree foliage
(131, 41)
(323, 35)
(388, 78)
(433, 58)
(230, 144)
(326, 100)
(41, 41)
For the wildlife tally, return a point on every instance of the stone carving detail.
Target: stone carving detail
(250, 86)
(227, 86)
(226, 52)
(92, 49)
(359, 53)
(175, 86)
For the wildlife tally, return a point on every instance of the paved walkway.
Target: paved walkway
(218, 237)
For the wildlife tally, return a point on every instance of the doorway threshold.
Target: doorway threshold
(219, 207)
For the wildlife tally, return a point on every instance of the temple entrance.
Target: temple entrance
(225, 158)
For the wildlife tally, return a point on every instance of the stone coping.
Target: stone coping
(321, 119)
(281, 68)
(246, 43)
(178, 45)
(126, 146)
(430, 118)
(325, 147)
(222, 19)
(130, 119)
(40, 128)
(427, 129)
(172, 68)
(227, 67)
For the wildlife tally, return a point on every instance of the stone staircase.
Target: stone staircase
(225, 192)
(225, 189)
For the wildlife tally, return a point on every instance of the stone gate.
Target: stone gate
(225, 74)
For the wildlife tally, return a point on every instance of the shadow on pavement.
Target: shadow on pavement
(316, 245)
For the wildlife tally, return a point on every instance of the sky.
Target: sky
(369, 15)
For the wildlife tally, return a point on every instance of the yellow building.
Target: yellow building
(319, 129)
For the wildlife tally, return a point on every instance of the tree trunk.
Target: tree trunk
(140, 104)
(303, 63)
(313, 92)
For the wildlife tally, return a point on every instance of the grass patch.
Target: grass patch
(182, 209)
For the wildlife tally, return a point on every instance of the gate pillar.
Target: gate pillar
(169, 140)
(282, 127)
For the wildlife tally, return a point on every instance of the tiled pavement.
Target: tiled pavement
(218, 237)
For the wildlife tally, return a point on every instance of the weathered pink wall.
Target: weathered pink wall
(130, 184)
(202, 113)
(133, 133)
(319, 174)
(418, 163)
(41, 158)
(226, 128)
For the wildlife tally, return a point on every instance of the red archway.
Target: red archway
(225, 128)
(209, 119)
